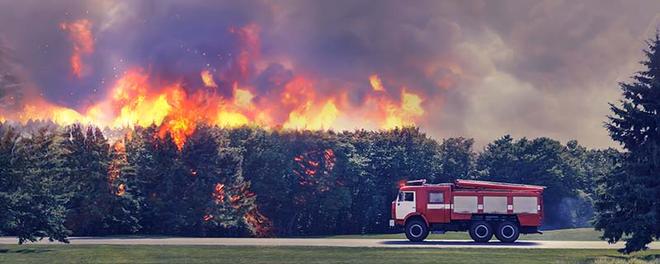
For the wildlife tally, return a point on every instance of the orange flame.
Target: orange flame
(207, 217)
(207, 78)
(376, 83)
(249, 48)
(121, 189)
(234, 199)
(310, 164)
(114, 168)
(242, 97)
(401, 115)
(80, 34)
(219, 193)
(261, 225)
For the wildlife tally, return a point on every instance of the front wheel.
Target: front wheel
(416, 230)
(507, 232)
(481, 231)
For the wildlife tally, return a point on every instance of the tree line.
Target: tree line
(59, 181)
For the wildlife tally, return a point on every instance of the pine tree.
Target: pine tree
(124, 206)
(161, 181)
(37, 207)
(365, 191)
(216, 193)
(264, 166)
(457, 159)
(628, 199)
(88, 161)
(172, 179)
(8, 181)
(140, 150)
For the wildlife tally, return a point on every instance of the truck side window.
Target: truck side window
(409, 196)
(400, 198)
(436, 198)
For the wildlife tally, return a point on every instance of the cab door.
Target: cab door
(405, 204)
(437, 206)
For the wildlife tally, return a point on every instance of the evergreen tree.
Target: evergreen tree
(124, 205)
(264, 166)
(216, 193)
(89, 160)
(313, 186)
(628, 199)
(139, 145)
(36, 203)
(457, 159)
(9, 181)
(161, 176)
(352, 168)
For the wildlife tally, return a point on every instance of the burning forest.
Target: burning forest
(132, 132)
(223, 95)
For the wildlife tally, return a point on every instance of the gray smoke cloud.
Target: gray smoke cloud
(485, 68)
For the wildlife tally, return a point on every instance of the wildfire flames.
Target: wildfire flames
(138, 98)
(219, 193)
(376, 83)
(81, 36)
(313, 167)
(114, 168)
(263, 227)
(133, 101)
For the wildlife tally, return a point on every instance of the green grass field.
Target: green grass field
(223, 254)
(577, 234)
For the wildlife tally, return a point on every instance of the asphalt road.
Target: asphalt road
(323, 242)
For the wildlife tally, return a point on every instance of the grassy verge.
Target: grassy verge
(224, 254)
(577, 234)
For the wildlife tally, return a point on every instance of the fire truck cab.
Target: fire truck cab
(481, 208)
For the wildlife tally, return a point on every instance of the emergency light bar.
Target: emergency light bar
(416, 182)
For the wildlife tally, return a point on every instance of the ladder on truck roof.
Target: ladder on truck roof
(416, 182)
(497, 185)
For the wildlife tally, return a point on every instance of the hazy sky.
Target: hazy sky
(484, 68)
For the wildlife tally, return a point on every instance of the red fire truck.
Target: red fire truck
(482, 208)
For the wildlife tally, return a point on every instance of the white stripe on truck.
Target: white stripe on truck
(438, 206)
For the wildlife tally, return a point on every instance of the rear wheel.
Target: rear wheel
(481, 231)
(416, 230)
(507, 232)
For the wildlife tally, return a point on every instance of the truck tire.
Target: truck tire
(507, 232)
(416, 230)
(481, 231)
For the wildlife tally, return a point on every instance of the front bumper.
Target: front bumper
(396, 223)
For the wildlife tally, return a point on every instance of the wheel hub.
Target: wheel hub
(416, 230)
(508, 231)
(481, 231)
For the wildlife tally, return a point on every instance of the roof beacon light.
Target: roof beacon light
(416, 182)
